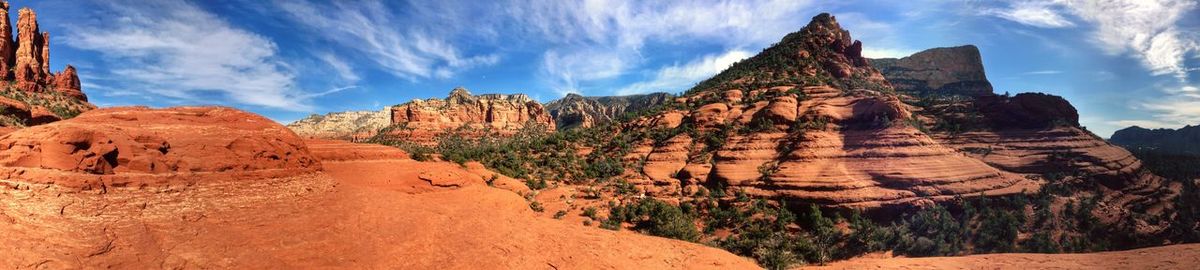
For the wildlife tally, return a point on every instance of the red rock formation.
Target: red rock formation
(28, 69)
(421, 121)
(30, 61)
(67, 83)
(45, 54)
(114, 146)
(7, 47)
(837, 136)
(204, 187)
(26, 64)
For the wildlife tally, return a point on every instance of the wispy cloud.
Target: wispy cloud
(680, 77)
(886, 52)
(1145, 29)
(1044, 72)
(614, 33)
(1033, 13)
(372, 29)
(343, 69)
(178, 50)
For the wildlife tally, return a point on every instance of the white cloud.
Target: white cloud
(1180, 107)
(372, 29)
(177, 50)
(676, 78)
(1038, 14)
(613, 32)
(568, 69)
(344, 70)
(1145, 28)
(870, 52)
(1044, 72)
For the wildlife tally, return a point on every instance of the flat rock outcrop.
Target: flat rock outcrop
(574, 111)
(422, 121)
(138, 146)
(938, 71)
(351, 126)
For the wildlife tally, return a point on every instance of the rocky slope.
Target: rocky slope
(940, 71)
(421, 121)
(210, 187)
(808, 120)
(35, 95)
(1185, 140)
(574, 111)
(351, 126)
(1030, 133)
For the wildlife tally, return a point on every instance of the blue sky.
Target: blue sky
(1120, 62)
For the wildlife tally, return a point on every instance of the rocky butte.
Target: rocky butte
(423, 120)
(36, 95)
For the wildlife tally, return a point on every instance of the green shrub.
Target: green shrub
(590, 212)
(657, 218)
(930, 232)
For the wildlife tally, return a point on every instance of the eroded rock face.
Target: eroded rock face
(1031, 134)
(352, 126)
(575, 111)
(28, 70)
(1027, 110)
(938, 71)
(26, 64)
(843, 142)
(132, 146)
(67, 83)
(7, 47)
(421, 121)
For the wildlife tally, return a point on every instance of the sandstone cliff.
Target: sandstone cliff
(1034, 134)
(422, 120)
(807, 120)
(940, 71)
(574, 110)
(351, 126)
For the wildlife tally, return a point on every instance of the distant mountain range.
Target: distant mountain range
(1185, 140)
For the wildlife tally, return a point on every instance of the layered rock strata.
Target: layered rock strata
(422, 121)
(351, 126)
(824, 129)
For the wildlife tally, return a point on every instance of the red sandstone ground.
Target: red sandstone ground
(359, 207)
(1168, 257)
